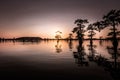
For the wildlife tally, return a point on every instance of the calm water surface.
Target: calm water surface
(49, 59)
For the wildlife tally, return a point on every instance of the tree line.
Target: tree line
(111, 19)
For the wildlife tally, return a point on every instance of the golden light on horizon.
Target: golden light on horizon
(48, 29)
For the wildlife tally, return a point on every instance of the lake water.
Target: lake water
(56, 60)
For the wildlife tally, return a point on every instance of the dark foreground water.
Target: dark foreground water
(59, 60)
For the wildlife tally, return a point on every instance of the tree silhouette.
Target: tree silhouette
(70, 36)
(92, 47)
(117, 33)
(91, 32)
(113, 19)
(99, 25)
(79, 30)
(58, 35)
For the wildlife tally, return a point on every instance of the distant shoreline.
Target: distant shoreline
(37, 39)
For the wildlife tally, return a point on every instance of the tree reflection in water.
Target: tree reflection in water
(58, 47)
(80, 56)
(92, 52)
(111, 65)
(70, 45)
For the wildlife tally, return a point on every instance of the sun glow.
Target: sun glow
(49, 30)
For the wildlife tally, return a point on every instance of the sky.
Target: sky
(43, 18)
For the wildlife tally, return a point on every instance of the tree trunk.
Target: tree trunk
(91, 38)
(115, 45)
(114, 32)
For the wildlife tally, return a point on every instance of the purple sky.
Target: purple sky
(45, 17)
